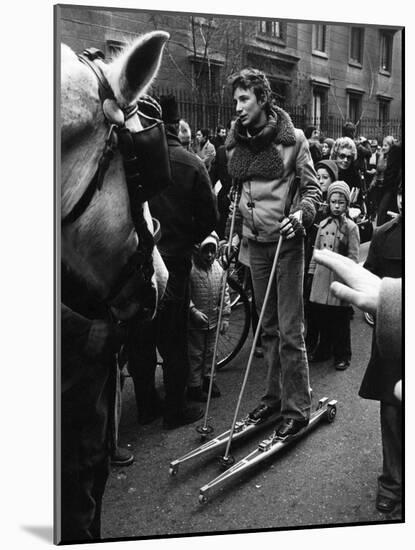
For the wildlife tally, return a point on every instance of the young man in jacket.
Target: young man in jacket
(271, 158)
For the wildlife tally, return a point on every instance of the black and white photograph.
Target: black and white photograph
(228, 205)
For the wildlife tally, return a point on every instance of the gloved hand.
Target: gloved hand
(291, 227)
(224, 327)
(225, 256)
(199, 318)
(103, 339)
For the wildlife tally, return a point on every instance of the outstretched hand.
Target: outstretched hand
(361, 287)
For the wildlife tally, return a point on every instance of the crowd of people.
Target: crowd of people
(310, 191)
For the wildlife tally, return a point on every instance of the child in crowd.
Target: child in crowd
(327, 173)
(326, 148)
(205, 295)
(340, 234)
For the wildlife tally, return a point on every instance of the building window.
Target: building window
(355, 107)
(271, 28)
(319, 106)
(386, 42)
(319, 38)
(356, 45)
(280, 91)
(384, 106)
(206, 76)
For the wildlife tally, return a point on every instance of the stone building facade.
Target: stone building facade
(324, 74)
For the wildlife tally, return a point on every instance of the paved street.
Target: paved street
(329, 477)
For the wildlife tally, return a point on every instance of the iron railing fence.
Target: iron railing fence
(208, 112)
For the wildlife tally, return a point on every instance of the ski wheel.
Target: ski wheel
(331, 413)
(203, 499)
(230, 343)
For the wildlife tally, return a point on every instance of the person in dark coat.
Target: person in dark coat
(387, 191)
(220, 172)
(220, 137)
(89, 342)
(385, 260)
(187, 214)
(313, 134)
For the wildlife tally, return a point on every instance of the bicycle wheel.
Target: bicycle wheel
(239, 273)
(230, 343)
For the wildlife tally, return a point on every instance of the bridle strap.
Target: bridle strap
(141, 261)
(88, 57)
(83, 202)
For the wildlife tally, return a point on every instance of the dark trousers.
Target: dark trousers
(387, 201)
(223, 209)
(332, 323)
(142, 363)
(81, 502)
(390, 480)
(168, 332)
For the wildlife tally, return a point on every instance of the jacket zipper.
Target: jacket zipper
(251, 207)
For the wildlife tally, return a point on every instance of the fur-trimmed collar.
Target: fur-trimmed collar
(284, 129)
(258, 156)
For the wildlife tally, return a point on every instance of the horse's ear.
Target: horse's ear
(140, 64)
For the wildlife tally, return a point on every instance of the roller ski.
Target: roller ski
(325, 410)
(243, 428)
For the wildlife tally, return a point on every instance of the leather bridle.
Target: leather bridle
(140, 263)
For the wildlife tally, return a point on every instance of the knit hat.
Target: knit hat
(330, 142)
(339, 187)
(210, 239)
(330, 166)
(169, 109)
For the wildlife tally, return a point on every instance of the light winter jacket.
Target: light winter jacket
(205, 295)
(339, 235)
(267, 173)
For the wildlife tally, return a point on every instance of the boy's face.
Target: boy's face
(250, 112)
(338, 204)
(208, 254)
(324, 179)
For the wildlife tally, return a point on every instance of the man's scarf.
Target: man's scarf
(258, 155)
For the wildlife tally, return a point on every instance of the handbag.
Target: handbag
(365, 230)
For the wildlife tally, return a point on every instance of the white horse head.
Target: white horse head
(97, 245)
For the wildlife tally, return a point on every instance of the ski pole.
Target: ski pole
(228, 460)
(204, 430)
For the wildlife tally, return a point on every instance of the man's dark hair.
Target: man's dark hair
(252, 79)
(205, 132)
(219, 128)
(172, 128)
(308, 132)
(349, 130)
